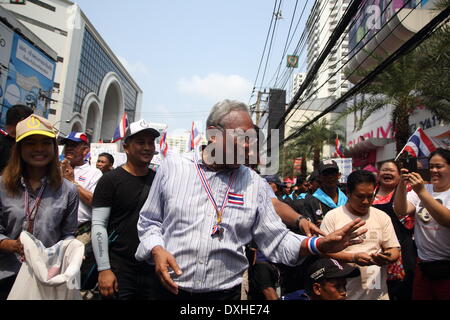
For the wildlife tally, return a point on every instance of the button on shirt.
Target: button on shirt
(56, 219)
(87, 177)
(179, 217)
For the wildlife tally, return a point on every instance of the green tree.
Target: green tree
(310, 144)
(419, 78)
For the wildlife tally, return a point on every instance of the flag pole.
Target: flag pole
(405, 145)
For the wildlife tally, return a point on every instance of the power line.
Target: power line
(264, 50)
(409, 45)
(340, 60)
(270, 46)
(343, 23)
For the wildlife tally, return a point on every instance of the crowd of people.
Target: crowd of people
(203, 229)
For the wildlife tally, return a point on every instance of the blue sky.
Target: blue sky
(187, 55)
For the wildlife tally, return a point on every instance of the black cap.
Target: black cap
(313, 176)
(326, 268)
(274, 178)
(327, 165)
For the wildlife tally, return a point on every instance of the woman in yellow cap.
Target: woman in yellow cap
(33, 197)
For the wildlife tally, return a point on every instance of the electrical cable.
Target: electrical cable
(409, 45)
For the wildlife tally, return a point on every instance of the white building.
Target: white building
(179, 143)
(322, 21)
(92, 88)
(297, 82)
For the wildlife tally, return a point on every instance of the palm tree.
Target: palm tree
(316, 136)
(419, 78)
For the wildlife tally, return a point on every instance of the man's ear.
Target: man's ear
(317, 289)
(210, 138)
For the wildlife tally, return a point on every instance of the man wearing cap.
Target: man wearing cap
(14, 115)
(78, 171)
(202, 210)
(326, 279)
(277, 185)
(328, 196)
(118, 199)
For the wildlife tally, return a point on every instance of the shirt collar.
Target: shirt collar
(82, 166)
(43, 180)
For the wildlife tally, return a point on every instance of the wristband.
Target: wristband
(311, 244)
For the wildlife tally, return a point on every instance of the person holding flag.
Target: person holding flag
(430, 204)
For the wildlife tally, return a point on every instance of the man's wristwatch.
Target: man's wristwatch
(297, 221)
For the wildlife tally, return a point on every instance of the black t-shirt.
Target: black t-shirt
(6, 144)
(121, 191)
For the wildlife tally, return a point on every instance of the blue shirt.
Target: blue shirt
(179, 217)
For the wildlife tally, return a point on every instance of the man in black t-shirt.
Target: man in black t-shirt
(118, 198)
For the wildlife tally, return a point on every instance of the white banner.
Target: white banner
(34, 59)
(345, 168)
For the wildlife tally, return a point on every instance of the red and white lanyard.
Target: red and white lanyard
(31, 214)
(217, 229)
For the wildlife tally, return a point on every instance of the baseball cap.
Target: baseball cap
(274, 178)
(326, 165)
(32, 125)
(313, 176)
(327, 268)
(139, 126)
(76, 137)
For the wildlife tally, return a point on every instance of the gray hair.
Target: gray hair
(221, 109)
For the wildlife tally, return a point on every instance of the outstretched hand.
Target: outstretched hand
(163, 261)
(342, 238)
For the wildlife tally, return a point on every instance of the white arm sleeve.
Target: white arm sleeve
(99, 235)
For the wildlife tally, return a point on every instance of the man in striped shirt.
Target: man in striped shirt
(200, 213)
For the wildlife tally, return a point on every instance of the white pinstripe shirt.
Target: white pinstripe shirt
(179, 217)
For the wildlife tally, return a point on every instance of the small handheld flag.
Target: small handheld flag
(119, 133)
(339, 148)
(163, 146)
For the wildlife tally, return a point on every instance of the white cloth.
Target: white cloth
(432, 239)
(371, 285)
(87, 177)
(48, 273)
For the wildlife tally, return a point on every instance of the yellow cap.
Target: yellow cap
(34, 124)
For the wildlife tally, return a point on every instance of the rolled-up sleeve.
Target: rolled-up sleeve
(273, 238)
(150, 230)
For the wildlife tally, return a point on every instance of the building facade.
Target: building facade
(27, 67)
(323, 19)
(382, 28)
(92, 89)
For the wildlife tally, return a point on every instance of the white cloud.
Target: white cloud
(216, 87)
(136, 69)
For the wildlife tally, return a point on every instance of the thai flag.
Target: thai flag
(194, 138)
(419, 145)
(339, 148)
(163, 146)
(121, 129)
(235, 198)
